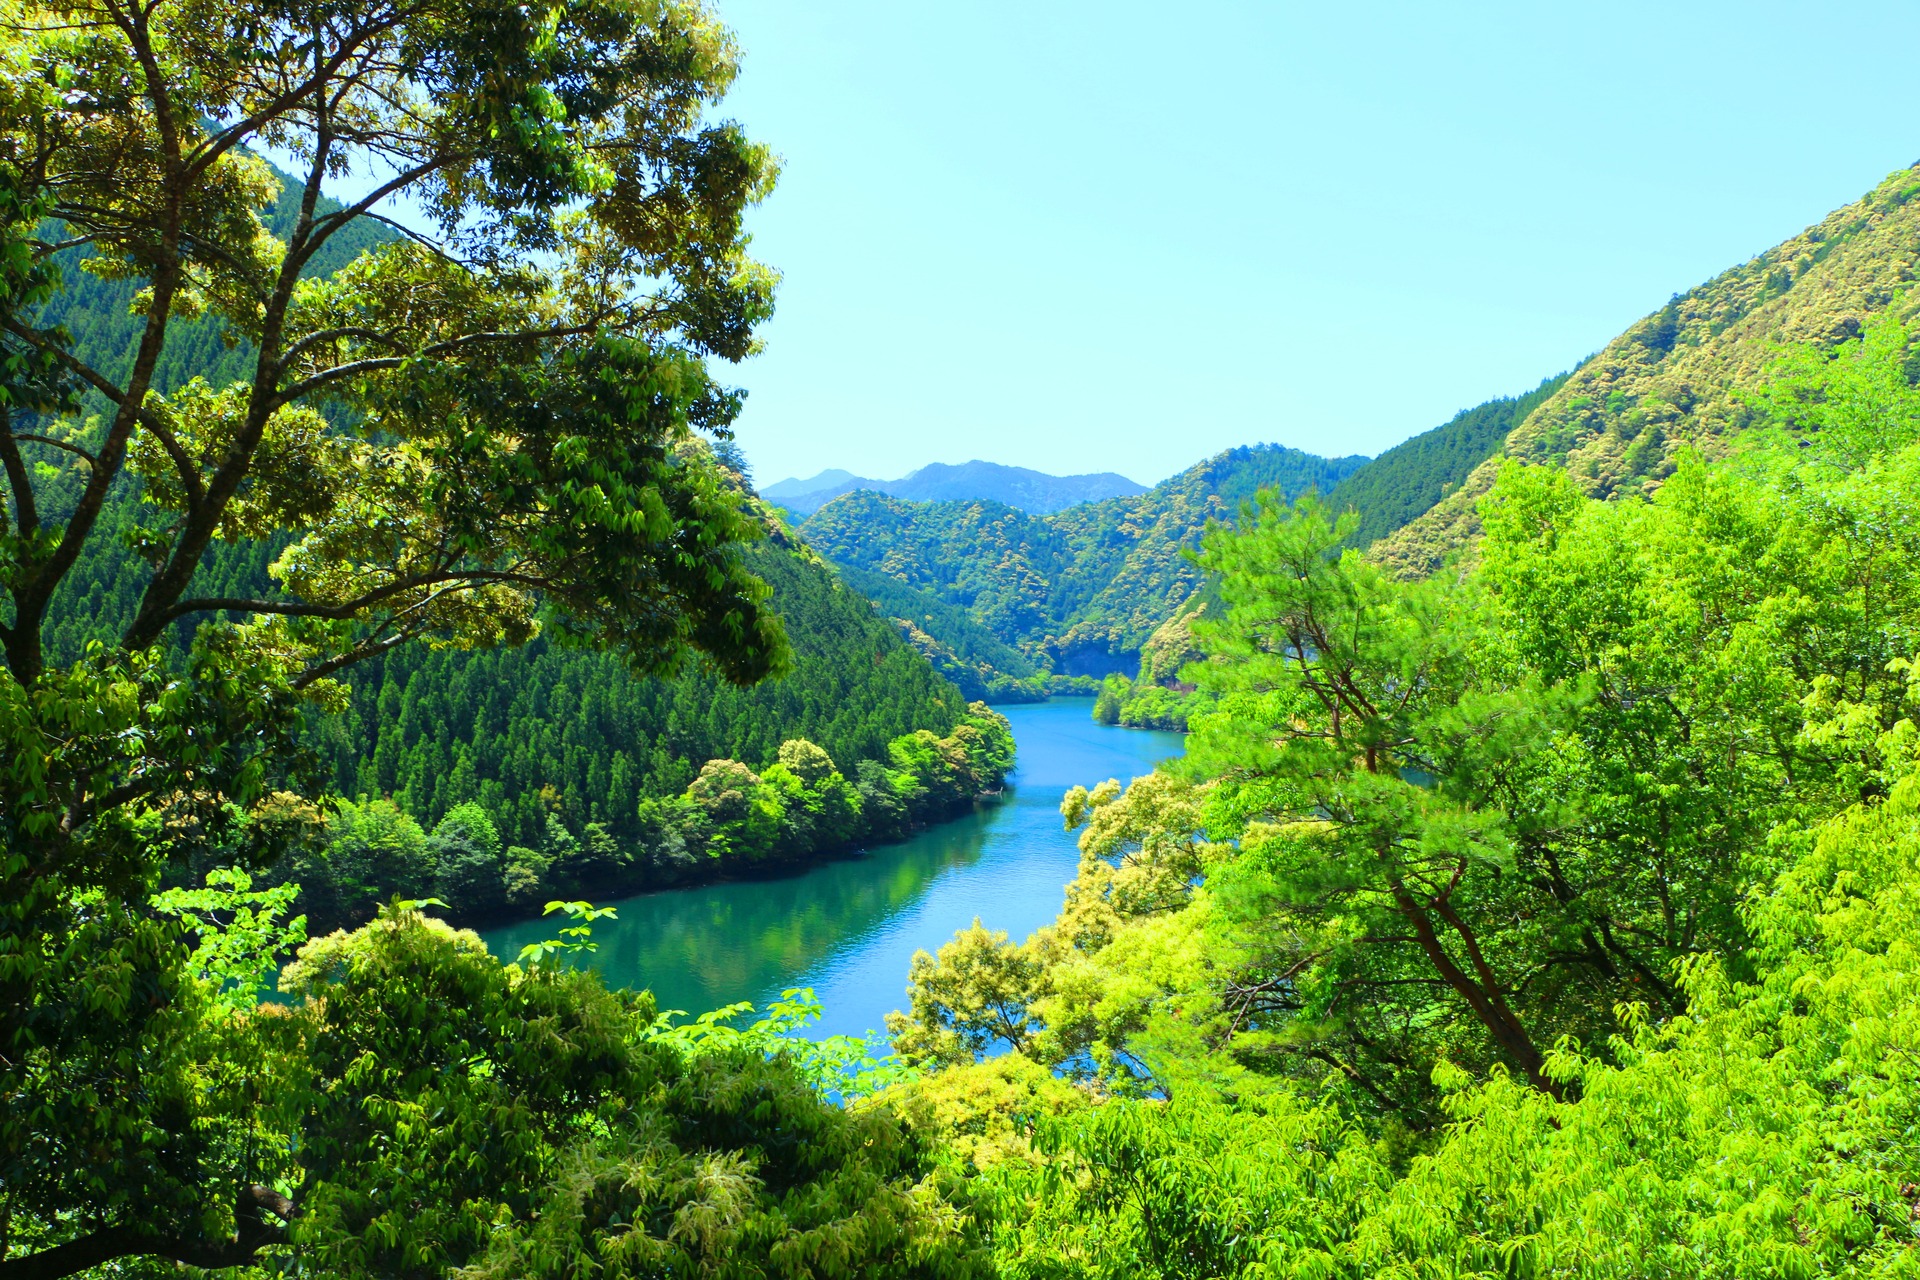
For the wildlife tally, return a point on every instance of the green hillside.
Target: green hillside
(549, 729)
(1686, 375)
(1078, 590)
(1407, 480)
(1081, 590)
(961, 649)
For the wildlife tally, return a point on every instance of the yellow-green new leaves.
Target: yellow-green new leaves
(483, 1120)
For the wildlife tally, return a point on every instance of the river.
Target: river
(849, 928)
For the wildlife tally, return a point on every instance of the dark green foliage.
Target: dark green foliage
(371, 847)
(466, 861)
(1405, 482)
(964, 651)
(553, 730)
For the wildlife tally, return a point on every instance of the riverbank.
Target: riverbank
(731, 821)
(849, 927)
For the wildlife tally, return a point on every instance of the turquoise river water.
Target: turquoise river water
(849, 928)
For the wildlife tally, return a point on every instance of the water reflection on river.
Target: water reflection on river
(849, 928)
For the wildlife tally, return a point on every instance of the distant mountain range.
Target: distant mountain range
(1077, 590)
(1031, 491)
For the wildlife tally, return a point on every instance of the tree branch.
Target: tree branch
(351, 608)
(26, 510)
(254, 1233)
(182, 462)
(230, 137)
(57, 444)
(375, 364)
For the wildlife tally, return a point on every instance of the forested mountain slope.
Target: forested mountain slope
(961, 649)
(1407, 480)
(553, 730)
(1687, 374)
(1080, 589)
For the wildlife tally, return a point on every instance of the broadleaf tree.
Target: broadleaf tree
(497, 418)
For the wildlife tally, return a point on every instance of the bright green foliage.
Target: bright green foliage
(239, 933)
(1365, 736)
(844, 1066)
(1558, 918)
(1852, 404)
(1187, 1192)
(499, 424)
(1768, 1132)
(574, 939)
(456, 1113)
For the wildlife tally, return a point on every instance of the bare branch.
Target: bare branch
(58, 444)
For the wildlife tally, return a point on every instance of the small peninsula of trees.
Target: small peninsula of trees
(731, 818)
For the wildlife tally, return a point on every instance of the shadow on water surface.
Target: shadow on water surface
(849, 928)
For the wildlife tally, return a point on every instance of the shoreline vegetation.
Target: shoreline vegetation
(731, 821)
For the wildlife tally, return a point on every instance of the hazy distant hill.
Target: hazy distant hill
(1030, 491)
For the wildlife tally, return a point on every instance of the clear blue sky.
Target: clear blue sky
(1117, 236)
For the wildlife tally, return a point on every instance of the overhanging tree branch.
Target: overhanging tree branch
(107, 1244)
